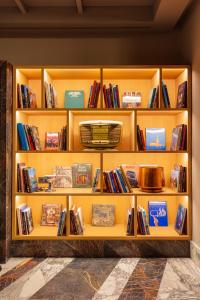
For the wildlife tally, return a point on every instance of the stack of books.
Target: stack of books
(140, 139)
(165, 96)
(130, 222)
(28, 137)
(116, 181)
(62, 223)
(76, 220)
(25, 97)
(179, 138)
(50, 95)
(111, 96)
(178, 179)
(26, 179)
(94, 95)
(143, 225)
(153, 101)
(24, 219)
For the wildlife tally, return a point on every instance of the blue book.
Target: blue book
(158, 213)
(22, 137)
(74, 99)
(155, 139)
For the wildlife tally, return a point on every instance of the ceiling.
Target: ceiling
(60, 17)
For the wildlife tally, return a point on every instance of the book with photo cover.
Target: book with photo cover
(74, 99)
(103, 215)
(50, 214)
(82, 175)
(180, 219)
(132, 173)
(52, 140)
(31, 184)
(182, 95)
(158, 215)
(155, 139)
(63, 177)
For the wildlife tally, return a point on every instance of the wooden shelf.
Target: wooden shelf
(128, 78)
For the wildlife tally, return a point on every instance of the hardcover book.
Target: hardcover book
(51, 214)
(52, 140)
(131, 172)
(158, 215)
(31, 179)
(103, 215)
(155, 139)
(180, 219)
(81, 175)
(182, 95)
(63, 177)
(74, 99)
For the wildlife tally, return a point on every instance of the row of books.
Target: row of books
(111, 96)
(24, 219)
(155, 138)
(26, 98)
(154, 99)
(165, 97)
(29, 138)
(50, 95)
(158, 217)
(116, 181)
(76, 220)
(94, 95)
(26, 179)
(178, 179)
(179, 138)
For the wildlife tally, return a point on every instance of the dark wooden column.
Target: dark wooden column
(6, 96)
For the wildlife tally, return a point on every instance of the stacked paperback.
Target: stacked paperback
(178, 179)
(24, 219)
(111, 96)
(26, 179)
(76, 220)
(179, 138)
(28, 137)
(25, 97)
(50, 95)
(94, 95)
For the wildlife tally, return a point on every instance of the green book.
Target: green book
(74, 99)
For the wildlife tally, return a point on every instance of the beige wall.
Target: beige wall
(191, 51)
(137, 49)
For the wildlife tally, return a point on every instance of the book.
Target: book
(143, 225)
(62, 223)
(96, 181)
(30, 179)
(23, 141)
(130, 222)
(132, 173)
(140, 139)
(155, 139)
(26, 98)
(74, 99)
(34, 132)
(131, 99)
(103, 215)
(179, 138)
(24, 219)
(154, 97)
(111, 96)
(50, 95)
(20, 177)
(94, 95)
(76, 220)
(158, 215)
(50, 214)
(182, 95)
(165, 96)
(63, 177)
(178, 179)
(81, 175)
(180, 222)
(52, 140)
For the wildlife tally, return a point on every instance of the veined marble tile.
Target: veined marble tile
(195, 253)
(35, 279)
(12, 263)
(114, 284)
(181, 280)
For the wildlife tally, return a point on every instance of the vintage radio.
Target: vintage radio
(100, 133)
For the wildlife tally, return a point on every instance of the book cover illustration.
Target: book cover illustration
(155, 139)
(36, 139)
(180, 219)
(81, 175)
(131, 172)
(32, 179)
(63, 177)
(52, 140)
(51, 214)
(103, 215)
(158, 215)
(74, 99)
(182, 95)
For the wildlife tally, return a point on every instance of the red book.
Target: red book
(142, 138)
(184, 138)
(92, 101)
(117, 89)
(30, 138)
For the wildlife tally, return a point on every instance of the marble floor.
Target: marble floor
(99, 279)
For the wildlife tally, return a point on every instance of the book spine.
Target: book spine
(117, 92)
(139, 140)
(126, 180)
(118, 181)
(105, 96)
(93, 94)
(142, 140)
(124, 186)
(22, 137)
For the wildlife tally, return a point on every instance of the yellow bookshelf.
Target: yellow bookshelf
(128, 78)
